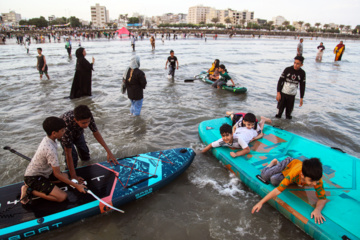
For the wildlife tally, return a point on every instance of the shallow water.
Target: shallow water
(206, 202)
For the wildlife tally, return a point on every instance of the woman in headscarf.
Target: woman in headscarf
(135, 82)
(81, 85)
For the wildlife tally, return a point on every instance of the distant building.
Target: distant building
(279, 20)
(261, 22)
(197, 14)
(12, 18)
(99, 16)
(51, 18)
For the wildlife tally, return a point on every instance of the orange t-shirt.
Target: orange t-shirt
(292, 175)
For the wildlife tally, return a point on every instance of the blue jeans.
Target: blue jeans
(82, 150)
(135, 108)
(171, 70)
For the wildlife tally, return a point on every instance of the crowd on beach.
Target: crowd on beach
(68, 128)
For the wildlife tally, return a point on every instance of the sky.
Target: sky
(309, 11)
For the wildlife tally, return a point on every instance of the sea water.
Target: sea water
(207, 201)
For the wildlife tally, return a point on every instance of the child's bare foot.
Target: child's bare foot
(24, 199)
(265, 119)
(273, 162)
(229, 113)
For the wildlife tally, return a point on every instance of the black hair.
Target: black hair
(300, 58)
(225, 128)
(312, 168)
(82, 112)
(223, 67)
(39, 48)
(217, 63)
(171, 51)
(249, 117)
(52, 124)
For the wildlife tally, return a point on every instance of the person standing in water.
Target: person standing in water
(135, 82)
(41, 64)
(133, 43)
(299, 50)
(339, 50)
(81, 85)
(152, 41)
(68, 46)
(288, 83)
(320, 53)
(172, 60)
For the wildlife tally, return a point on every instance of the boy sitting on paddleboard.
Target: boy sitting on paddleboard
(247, 132)
(288, 171)
(44, 168)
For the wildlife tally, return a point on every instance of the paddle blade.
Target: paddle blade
(189, 80)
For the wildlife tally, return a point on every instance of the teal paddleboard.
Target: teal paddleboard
(341, 182)
(203, 77)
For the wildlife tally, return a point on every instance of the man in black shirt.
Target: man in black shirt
(287, 87)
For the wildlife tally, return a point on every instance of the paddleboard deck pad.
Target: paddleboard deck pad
(134, 178)
(203, 76)
(340, 176)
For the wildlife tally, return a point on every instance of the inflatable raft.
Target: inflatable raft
(340, 176)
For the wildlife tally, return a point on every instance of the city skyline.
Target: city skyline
(331, 11)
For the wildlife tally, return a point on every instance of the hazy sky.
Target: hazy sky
(323, 11)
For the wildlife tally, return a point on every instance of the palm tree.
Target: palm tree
(341, 27)
(307, 25)
(215, 20)
(243, 22)
(326, 26)
(227, 20)
(300, 23)
(318, 25)
(270, 23)
(286, 23)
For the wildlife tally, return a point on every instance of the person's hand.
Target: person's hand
(278, 97)
(93, 60)
(301, 102)
(79, 179)
(256, 208)
(177, 67)
(233, 85)
(165, 67)
(111, 158)
(319, 218)
(43, 69)
(233, 154)
(81, 188)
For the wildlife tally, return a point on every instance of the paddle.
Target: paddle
(73, 180)
(196, 77)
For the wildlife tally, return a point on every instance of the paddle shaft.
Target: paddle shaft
(17, 153)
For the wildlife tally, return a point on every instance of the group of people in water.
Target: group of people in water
(44, 168)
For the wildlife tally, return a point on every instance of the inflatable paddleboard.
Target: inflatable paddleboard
(203, 76)
(340, 176)
(134, 178)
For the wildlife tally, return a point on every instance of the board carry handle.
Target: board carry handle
(142, 180)
(261, 179)
(339, 149)
(277, 126)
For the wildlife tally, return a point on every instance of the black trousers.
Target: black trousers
(287, 102)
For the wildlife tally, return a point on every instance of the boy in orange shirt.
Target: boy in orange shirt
(288, 171)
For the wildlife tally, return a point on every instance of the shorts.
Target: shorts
(42, 72)
(40, 183)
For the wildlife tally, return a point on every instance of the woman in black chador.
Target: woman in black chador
(81, 85)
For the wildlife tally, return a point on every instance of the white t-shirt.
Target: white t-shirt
(238, 125)
(246, 134)
(238, 142)
(44, 159)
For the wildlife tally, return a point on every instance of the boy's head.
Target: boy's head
(298, 62)
(172, 53)
(39, 50)
(54, 126)
(312, 171)
(301, 40)
(226, 133)
(249, 121)
(82, 116)
(222, 68)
